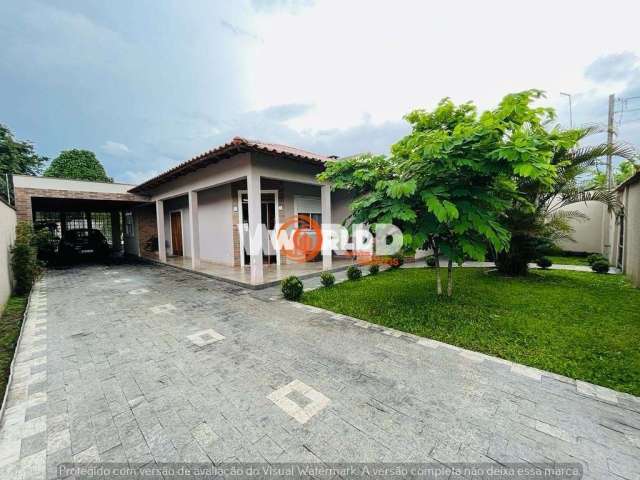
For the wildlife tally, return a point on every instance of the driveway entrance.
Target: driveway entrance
(143, 364)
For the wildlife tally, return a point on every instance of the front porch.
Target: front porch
(241, 275)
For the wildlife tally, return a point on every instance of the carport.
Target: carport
(60, 205)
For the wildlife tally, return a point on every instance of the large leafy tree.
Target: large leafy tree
(79, 165)
(18, 156)
(449, 182)
(543, 215)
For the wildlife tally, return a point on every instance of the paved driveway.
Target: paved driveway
(145, 364)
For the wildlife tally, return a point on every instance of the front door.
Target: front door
(176, 233)
(268, 205)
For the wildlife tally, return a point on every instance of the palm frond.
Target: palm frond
(589, 156)
(609, 198)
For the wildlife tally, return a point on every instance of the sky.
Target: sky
(151, 83)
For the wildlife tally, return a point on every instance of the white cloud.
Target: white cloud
(114, 148)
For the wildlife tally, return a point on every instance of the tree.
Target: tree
(622, 171)
(448, 183)
(79, 165)
(540, 217)
(17, 156)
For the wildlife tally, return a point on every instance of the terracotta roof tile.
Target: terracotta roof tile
(235, 146)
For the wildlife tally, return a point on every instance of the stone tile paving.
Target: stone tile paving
(191, 369)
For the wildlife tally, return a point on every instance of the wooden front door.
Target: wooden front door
(176, 233)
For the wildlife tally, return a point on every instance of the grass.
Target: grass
(10, 323)
(568, 260)
(582, 325)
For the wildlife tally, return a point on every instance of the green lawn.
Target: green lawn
(10, 323)
(582, 325)
(568, 260)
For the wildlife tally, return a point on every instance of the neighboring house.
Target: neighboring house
(625, 230)
(189, 215)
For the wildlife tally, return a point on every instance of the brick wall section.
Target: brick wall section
(147, 228)
(23, 198)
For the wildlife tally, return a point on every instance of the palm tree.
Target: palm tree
(540, 216)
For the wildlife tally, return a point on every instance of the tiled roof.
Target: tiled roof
(235, 146)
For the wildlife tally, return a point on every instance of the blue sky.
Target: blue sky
(148, 84)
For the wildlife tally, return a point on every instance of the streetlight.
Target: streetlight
(568, 95)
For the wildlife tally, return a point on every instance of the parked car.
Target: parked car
(81, 242)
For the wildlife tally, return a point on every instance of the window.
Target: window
(303, 219)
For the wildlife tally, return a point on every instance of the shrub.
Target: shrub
(374, 269)
(600, 266)
(595, 257)
(292, 288)
(24, 258)
(327, 279)
(430, 260)
(353, 273)
(396, 260)
(544, 262)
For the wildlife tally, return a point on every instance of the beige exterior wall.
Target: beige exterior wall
(588, 233)
(50, 183)
(7, 237)
(629, 257)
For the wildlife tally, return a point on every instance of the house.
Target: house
(614, 234)
(190, 216)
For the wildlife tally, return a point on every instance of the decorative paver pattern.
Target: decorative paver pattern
(127, 384)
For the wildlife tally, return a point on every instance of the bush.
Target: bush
(544, 262)
(24, 258)
(292, 288)
(595, 257)
(327, 279)
(396, 260)
(430, 260)
(374, 269)
(600, 266)
(353, 273)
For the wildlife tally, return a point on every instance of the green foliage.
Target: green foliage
(17, 156)
(544, 262)
(540, 216)
(24, 260)
(625, 169)
(327, 279)
(577, 324)
(374, 269)
(292, 288)
(79, 165)
(10, 323)
(354, 273)
(595, 257)
(430, 260)
(449, 182)
(600, 266)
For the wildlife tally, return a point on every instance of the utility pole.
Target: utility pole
(610, 132)
(568, 95)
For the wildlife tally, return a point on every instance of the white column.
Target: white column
(254, 201)
(194, 229)
(162, 249)
(325, 202)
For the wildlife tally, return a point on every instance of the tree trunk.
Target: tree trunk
(436, 255)
(450, 278)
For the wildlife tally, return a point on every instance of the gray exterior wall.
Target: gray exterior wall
(216, 224)
(588, 236)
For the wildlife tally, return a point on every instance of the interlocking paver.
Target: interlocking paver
(107, 373)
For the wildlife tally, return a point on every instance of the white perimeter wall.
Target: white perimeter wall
(588, 233)
(7, 236)
(215, 217)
